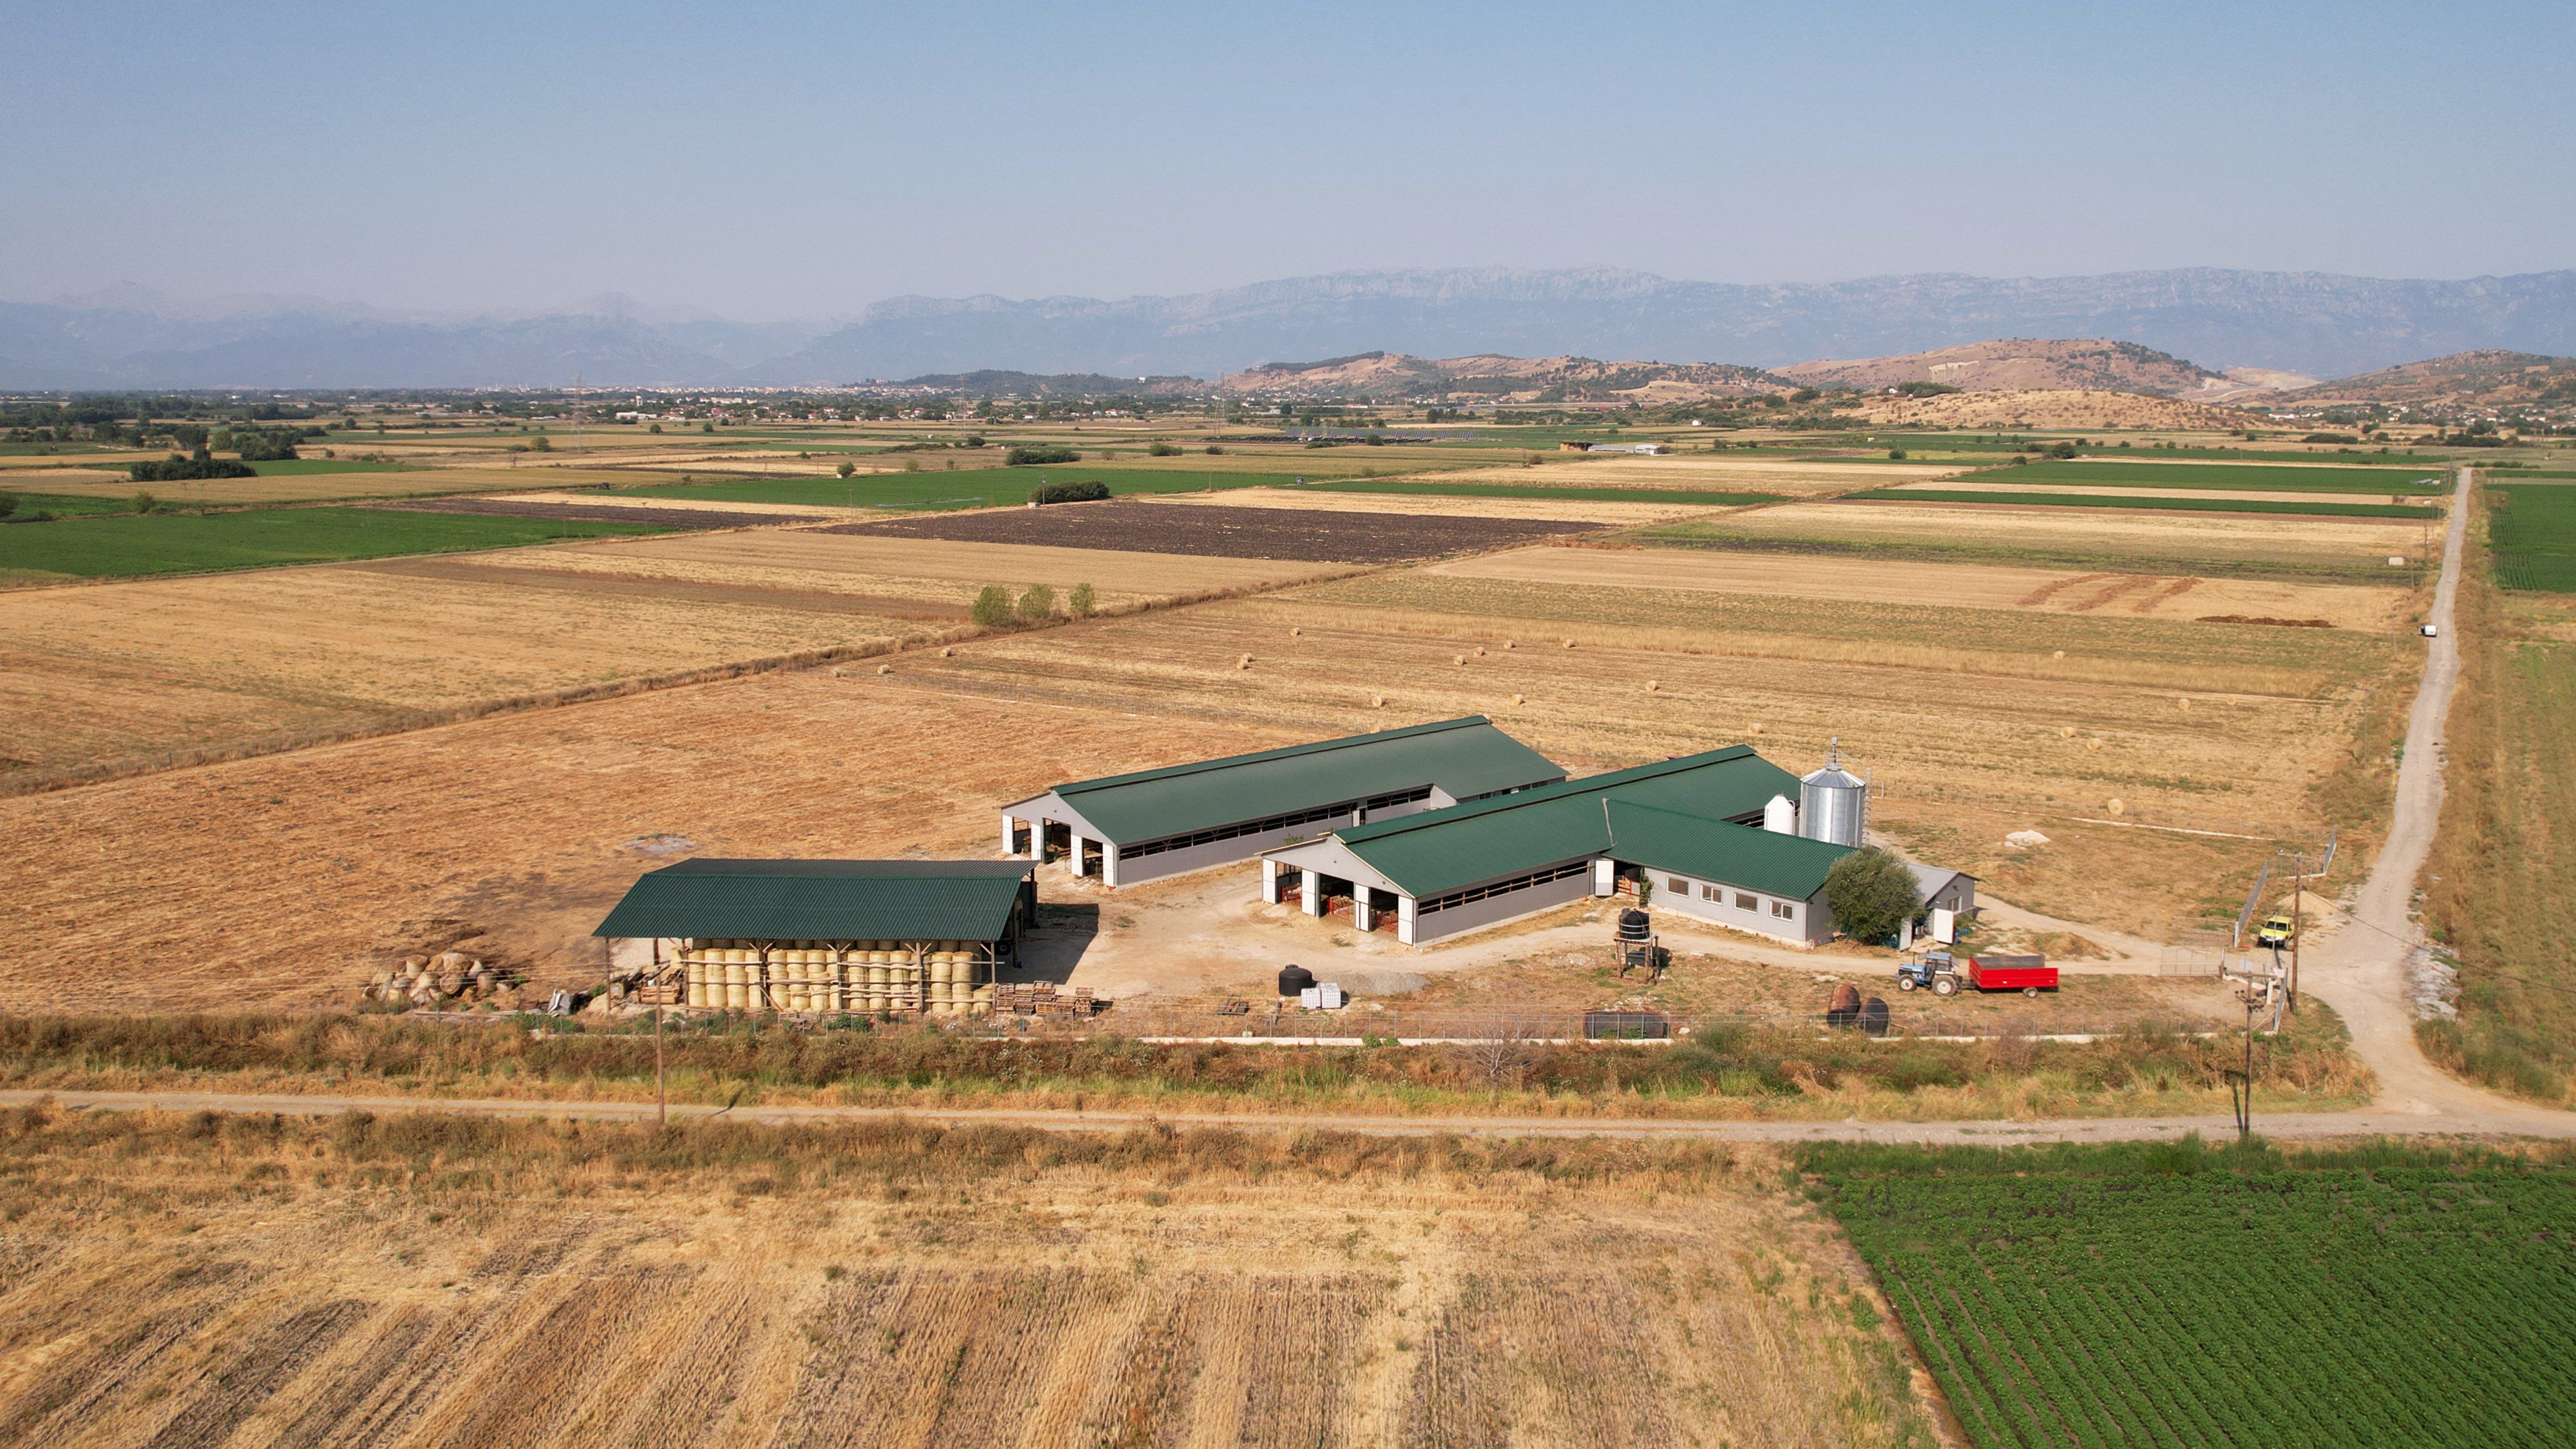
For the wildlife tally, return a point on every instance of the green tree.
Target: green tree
(143, 502)
(993, 607)
(1038, 603)
(1079, 603)
(1162, 450)
(1871, 894)
(9, 505)
(543, 444)
(657, 427)
(1897, 453)
(847, 468)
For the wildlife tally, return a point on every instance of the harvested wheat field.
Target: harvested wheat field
(287, 879)
(1572, 510)
(96, 674)
(877, 563)
(415, 1281)
(1712, 471)
(2215, 498)
(104, 672)
(2246, 540)
(2238, 727)
(1978, 586)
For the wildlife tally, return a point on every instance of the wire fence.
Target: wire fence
(1915, 1018)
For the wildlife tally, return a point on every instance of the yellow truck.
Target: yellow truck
(2275, 931)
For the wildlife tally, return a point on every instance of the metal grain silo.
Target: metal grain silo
(1833, 803)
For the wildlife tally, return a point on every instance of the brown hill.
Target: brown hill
(2463, 379)
(2054, 408)
(2087, 364)
(1487, 378)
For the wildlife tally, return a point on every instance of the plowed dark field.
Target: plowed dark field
(672, 518)
(1300, 534)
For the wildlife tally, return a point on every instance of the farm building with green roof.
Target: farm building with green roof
(1157, 823)
(1690, 830)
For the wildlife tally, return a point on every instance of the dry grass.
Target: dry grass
(1981, 586)
(185, 1280)
(929, 569)
(311, 487)
(108, 672)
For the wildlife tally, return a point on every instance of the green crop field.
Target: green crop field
(2532, 530)
(298, 467)
(2098, 500)
(254, 538)
(65, 505)
(1702, 497)
(2239, 478)
(2171, 1294)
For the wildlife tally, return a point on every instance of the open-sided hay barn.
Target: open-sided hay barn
(830, 935)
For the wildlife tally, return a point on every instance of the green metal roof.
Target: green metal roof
(1720, 850)
(1462, 756)
(1442, 850)
(823, 900)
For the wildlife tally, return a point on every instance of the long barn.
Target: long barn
(1689, 830)
(1155, 823)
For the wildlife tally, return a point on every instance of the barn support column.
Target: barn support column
(1605, 878)
(1310, 892)
(1109, 863)
(1037, 838)
(1081, 858)
(1269, 881)
(1362, 917)
(1407, 925)
(1010, 834)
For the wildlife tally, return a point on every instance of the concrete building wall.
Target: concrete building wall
(1743, 909)
(1475, 915)
(1136, 869)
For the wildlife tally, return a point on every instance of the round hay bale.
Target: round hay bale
(2066, 732)
(2060, 654)
(885, 669)
(1377, 701)
(1295, 631)
(1569, 643)
(1516, 699)
(1480, 651)
(2093, 744)
(1757, 729)
(1652, 686)
(2184, 702)
(947, 653)
(1508, 643)
(2116, 806)
(1458, 659)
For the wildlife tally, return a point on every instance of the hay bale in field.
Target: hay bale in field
(1294, 631)
(1569, 643)
(1507, 643)
(2066, 732)
(1516, 699)
(1377, 701)
(885, 669)
(1459, 659)
(1754, 730)
(2116, 806)
(1480, 651)
(1653, 685)
(2094, 743)
(947, 653)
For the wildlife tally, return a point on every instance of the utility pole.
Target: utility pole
(661, 1094)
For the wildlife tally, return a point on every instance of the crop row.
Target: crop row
(2421, 1306)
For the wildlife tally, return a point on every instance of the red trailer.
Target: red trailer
(2029, 975)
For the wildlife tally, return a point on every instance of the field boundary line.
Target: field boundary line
(410, 721)
(2278, 1124)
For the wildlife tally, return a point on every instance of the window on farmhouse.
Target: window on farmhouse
(1784, 910)
(1711, 893)
(1745, 902)
(1677, 886)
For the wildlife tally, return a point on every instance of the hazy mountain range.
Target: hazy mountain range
(2314, 323)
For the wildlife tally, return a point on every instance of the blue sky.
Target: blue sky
(792, 159)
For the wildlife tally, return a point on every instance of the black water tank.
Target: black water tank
(1633, 925)
(1873, 1016)
(1294, 979)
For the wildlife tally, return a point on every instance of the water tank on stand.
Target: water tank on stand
(1295, 980)
(1780, 817)
(1833, 803)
